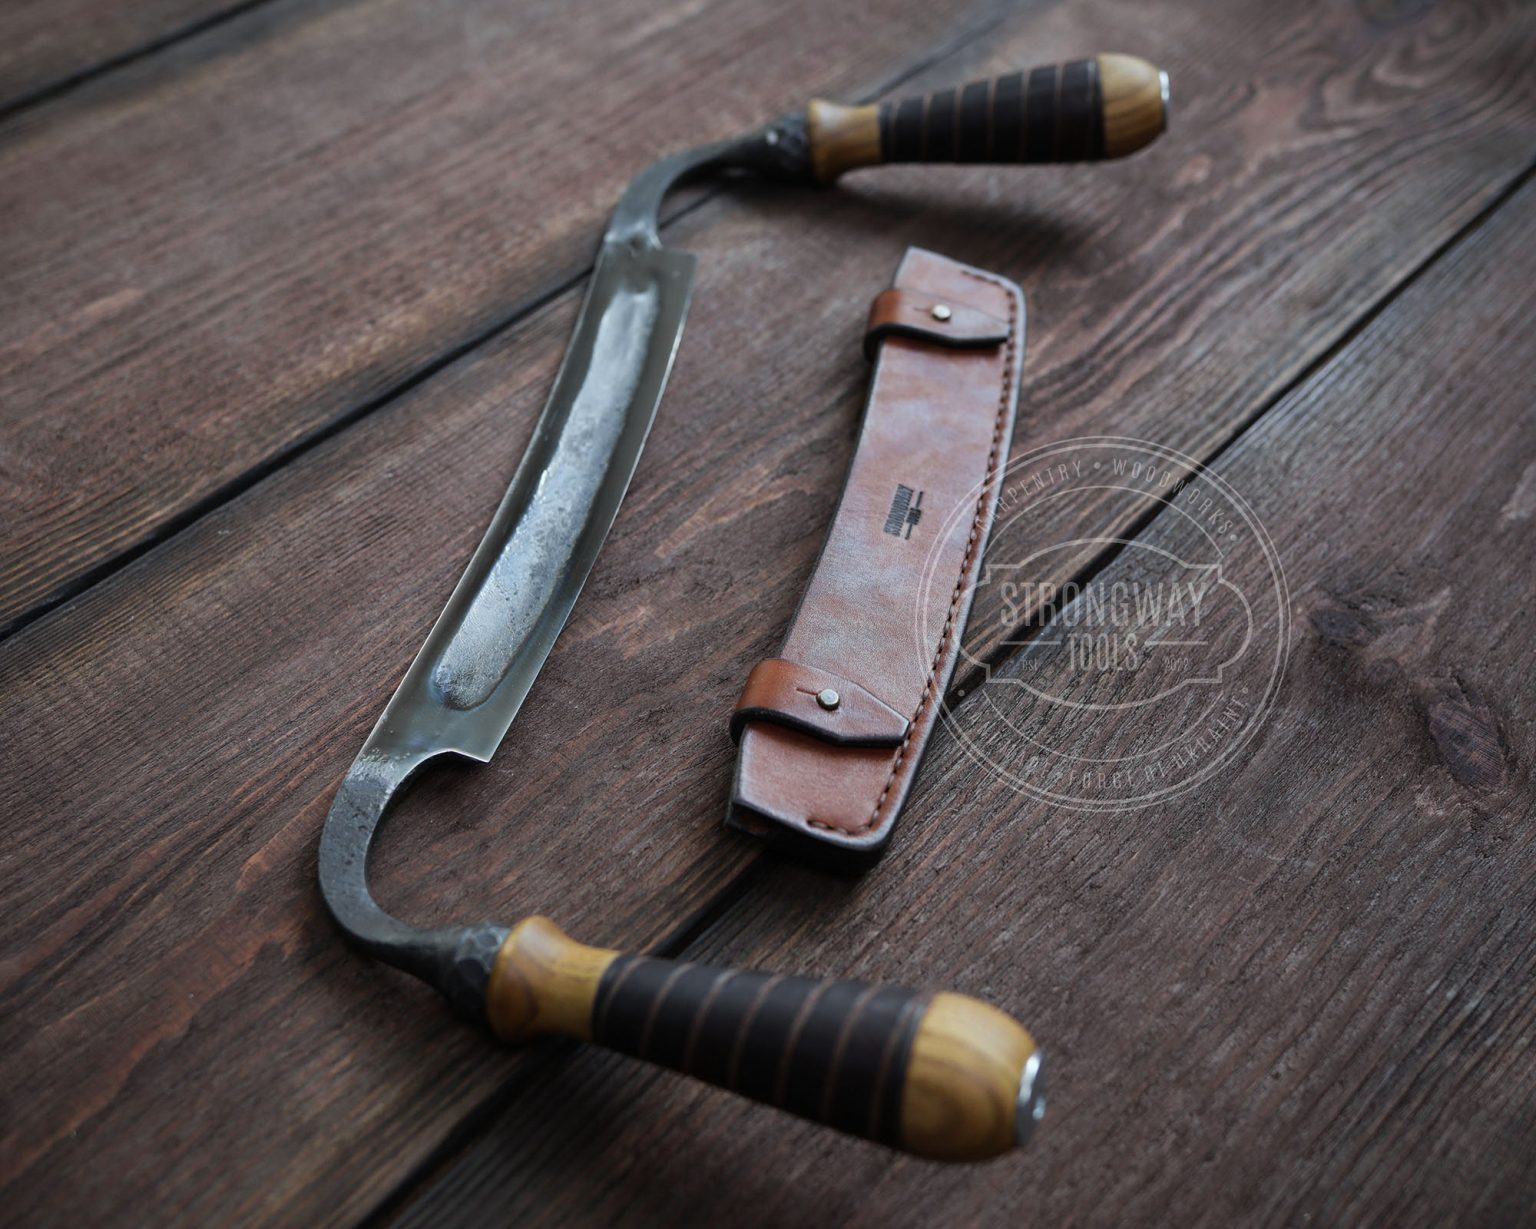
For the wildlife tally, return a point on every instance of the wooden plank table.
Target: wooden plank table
(286, 285)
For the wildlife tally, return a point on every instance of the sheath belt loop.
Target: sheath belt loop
(816, 702)
(930, 317)
(830, 732)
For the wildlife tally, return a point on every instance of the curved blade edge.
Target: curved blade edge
(471, 676)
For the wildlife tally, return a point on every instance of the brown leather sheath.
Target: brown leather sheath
(831, 731)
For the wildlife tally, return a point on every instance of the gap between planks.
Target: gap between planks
(522, 311)
(36, 96)
(1016, 639)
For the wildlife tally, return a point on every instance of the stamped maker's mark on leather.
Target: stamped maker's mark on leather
(906, 511)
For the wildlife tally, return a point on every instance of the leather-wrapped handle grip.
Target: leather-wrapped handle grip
(1104, 107)
(942, 1076)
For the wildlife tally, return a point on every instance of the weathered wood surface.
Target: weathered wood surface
(317, 204)
(1303, 995)
(187, 720)
(314, 202)
(49, 45)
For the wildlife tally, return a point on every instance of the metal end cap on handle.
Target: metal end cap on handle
(1030, 1107)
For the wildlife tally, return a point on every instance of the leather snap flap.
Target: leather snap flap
(816, 702)
(930, 317)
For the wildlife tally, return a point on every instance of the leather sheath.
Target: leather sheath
(831, 732)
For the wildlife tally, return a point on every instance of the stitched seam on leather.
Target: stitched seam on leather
(966, 563)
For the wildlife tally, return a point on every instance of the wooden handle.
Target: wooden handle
(941, 1076)
(1105, 107)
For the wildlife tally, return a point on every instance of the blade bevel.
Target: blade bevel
(471, 676)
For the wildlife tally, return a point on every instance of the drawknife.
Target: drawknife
(941, 1075)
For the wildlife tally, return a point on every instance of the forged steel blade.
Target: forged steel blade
(460, 695)
(470, 678)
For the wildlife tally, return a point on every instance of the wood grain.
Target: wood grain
(1303, 995)
(274, 224)
(45, 44)
(963, 1081)
(383, 197)
(842, 138)
(543, 983)
(1134, 112)
(1248, 127)
(182, 727)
